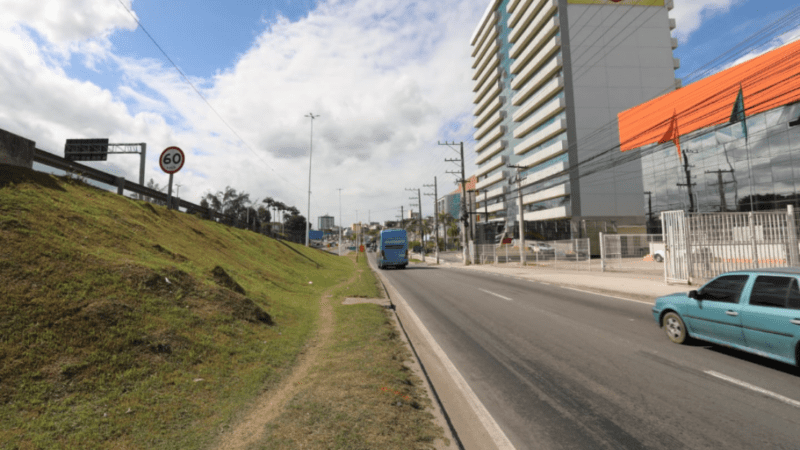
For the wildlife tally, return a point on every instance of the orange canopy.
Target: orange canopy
(768, 81)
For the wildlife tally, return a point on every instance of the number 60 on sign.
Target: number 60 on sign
(171, 160)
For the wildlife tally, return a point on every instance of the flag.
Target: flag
(672, 134)
(737, 115)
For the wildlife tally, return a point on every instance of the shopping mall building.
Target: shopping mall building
(729, 142)
(550, 77)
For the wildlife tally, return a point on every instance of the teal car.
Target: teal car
(756, 311)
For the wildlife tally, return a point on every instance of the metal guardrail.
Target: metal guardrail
(57, 162)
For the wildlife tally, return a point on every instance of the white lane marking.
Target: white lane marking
(779, 397)
(495, 432)
(496, 295)
(610, 296)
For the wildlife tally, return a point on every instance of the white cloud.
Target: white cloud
(690, 14)
(384, 79)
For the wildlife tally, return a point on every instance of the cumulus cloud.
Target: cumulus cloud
(690, 14)
(382, 77)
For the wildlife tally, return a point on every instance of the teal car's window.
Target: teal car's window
(771, 291)
(724, 289)
(793, 300)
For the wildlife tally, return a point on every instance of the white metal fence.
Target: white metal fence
(701, 246)
(630, 252)
(562, 254)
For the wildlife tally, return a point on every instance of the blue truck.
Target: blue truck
(392, 248)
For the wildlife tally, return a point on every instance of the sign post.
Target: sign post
(171, 161)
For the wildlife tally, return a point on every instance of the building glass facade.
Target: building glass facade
(727, 171)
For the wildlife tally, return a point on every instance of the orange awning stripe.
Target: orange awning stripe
(768, 81)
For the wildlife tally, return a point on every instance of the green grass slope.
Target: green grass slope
(126, 325)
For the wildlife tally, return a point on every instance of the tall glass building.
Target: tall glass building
(550, 76)
(739, 138)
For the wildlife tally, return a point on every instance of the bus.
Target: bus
(392, 248)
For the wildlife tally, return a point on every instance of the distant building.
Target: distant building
(325, 222)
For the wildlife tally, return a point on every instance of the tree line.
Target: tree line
(271, 217)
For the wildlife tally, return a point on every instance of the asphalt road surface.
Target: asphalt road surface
(562, 369)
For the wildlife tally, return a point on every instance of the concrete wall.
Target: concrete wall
(16, 150)
(620, 57)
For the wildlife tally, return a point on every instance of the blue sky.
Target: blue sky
(388, 79)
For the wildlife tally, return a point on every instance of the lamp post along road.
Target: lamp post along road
(310, 152)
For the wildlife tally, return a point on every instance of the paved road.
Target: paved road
(558, 368)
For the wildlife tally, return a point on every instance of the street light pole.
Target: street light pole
(310, 151)
(340, 221)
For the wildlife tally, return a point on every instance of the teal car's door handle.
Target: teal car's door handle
(731, 313)
(795, 321)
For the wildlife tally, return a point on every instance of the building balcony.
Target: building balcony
(676, 63)
(533, 178)
(532, 18)
(541, 136)
(539, 117)
(491, 208)
(493, 121)
(559, 212)
(518, 12)
(484, 84)
(674, 42)
(493, 87)
(549, 152)
(483, 71)
(543, 75)
(496, 178)
(672, 24)
(542, 26)
(492, 194)
(490, 97)
(544, 94)
(532, 58)
(491, 151)
(494, 135)
(489, 49)
(484, 115)
(512, 4)
(491, 165)
(562, 190)
(488, 22)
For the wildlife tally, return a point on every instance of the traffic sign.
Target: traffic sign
(171, 160)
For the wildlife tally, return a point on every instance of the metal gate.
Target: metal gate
(676, 260)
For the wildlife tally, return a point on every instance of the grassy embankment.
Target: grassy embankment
(125, 325)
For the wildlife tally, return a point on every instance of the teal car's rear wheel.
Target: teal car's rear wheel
(674, 328)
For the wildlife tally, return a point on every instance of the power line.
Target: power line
(199, 94)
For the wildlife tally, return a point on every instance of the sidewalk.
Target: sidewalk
(635, 286)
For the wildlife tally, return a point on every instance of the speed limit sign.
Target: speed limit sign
(171, 160)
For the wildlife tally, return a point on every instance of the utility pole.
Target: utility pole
(521, 216)
(435, 213)
(419, 225)
(649, 210)
(464, 215)
(310, 151)
(486, 211)
(340, 221)
(688, 183)
(402, 218)
(723, 207)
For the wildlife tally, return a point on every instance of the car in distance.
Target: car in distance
(756, 311)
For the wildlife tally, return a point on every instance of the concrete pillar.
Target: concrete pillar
(16, 150)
